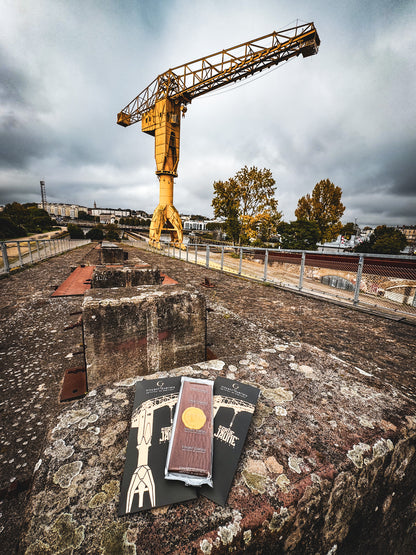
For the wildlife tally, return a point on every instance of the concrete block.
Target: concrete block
(138, 331)
(126, 276)
(111, 253)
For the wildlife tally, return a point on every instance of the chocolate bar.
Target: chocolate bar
(190, 449)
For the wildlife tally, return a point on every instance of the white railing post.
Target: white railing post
(20, 254)
(266, 260)
(30, 252)
(5, 257)
(358, 281)
(302, 270)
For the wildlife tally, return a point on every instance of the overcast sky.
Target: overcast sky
(67, 67)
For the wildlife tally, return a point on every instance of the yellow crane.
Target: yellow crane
(160, 105)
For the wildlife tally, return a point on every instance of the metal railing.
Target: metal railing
(379, 281)
(21, 253)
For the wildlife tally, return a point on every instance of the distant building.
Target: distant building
(199, 225)
(61, 210)
(410, 233)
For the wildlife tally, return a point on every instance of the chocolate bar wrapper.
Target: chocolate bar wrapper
(190, 448)
(143, 485)
(234, 405)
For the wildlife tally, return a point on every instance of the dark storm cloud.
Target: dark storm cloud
(21, 141)
(67, 68)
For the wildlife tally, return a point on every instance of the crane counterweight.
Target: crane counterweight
(160, 105)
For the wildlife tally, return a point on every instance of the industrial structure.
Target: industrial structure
(161, 104)
(43, 195)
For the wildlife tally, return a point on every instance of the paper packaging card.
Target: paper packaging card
(143, 485)
(234, 404)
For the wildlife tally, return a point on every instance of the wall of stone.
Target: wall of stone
(138, 331)
(107, 276)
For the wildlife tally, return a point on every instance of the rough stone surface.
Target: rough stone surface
(248, 322)
(111, 254)
(127, 276)
(305, 483)
(140, 330)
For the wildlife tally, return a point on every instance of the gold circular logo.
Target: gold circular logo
(193, 418)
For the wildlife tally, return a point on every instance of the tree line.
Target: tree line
(21, 220)
(247, 204)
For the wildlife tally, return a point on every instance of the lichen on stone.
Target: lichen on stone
(356, 454)
(260, 414)
(114, 540)
(206, 546)
(283, 482)
(59, 450)
(228, 532)
(273, 466)
(38, 548)
(280, 411)
(247, 536)
(110, 435)
(66, 473)
(64, 534)
(278, 395)
(294, 464)
(98, 500)
(255, 482)
(278, 519)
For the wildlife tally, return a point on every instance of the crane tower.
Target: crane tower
(160, 105)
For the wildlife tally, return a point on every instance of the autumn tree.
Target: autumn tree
(324, 207)
(248, 204)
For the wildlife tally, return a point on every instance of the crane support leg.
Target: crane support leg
(165, 216)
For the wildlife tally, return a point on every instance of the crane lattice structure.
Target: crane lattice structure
(160, 105)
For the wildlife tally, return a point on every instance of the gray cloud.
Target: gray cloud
(347, 114)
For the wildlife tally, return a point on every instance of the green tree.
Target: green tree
(75, 232)
(324, 207)
(299, 235)
(348, 229)
(248, 204)
(95, 233)
(82, 215)
(28, 216)
(384, 240)
(9, 230)
(111, 232)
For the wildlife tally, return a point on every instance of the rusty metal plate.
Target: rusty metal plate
(167, 280)
(74, 385)
(77, 283)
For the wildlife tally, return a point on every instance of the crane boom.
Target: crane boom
(159, 105)
(188, 81)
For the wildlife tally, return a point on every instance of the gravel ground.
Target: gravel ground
(35, 349)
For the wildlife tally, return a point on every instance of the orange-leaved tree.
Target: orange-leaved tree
(324, 207)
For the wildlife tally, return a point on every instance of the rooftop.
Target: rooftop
(263, 334)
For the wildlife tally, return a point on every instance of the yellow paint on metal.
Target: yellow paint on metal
(163, 122)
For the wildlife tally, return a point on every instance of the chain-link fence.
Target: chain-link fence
(17, 254)
(381, 281)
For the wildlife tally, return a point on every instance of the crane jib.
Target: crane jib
(200, 76)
